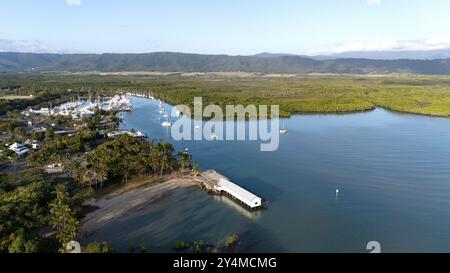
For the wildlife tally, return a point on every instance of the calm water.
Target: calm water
(393, 172)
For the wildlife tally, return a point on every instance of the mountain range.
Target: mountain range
(355, 63)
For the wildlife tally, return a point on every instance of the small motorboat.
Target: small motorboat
(283, 129)
(166, 124)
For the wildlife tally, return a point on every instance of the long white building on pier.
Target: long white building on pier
(239, 193)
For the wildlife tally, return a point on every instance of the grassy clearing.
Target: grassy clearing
(15, 97)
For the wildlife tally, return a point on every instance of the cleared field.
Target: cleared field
(15, 98)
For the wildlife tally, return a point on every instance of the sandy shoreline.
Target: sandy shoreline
(115, 205)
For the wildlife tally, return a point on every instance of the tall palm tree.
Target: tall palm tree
(185, 160)
(165, 166)
(115, 119)
(166, 149)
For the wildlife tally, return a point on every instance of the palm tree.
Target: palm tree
(166, 148)
(152, 160)
(195, 171)
(185, 160)
(62, 218)
(165, 165)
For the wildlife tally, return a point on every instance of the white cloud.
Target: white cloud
(21, 46)
(73, 2)
(35, 46)
(373, 2)
(433, 43)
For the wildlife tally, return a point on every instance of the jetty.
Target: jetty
(221, 185)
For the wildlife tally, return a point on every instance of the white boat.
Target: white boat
(214, 136)
(139, 134)
(165, 116)
(166, 124)
(197, 127)
(283, 130)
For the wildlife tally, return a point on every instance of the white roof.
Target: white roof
(16, 146)
(241, 193)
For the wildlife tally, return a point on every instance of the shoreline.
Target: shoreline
(117, 203)
(311, 113)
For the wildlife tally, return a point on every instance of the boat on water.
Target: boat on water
(283, 130)
(166, 124)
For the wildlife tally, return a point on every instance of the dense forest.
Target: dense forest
(176, 62)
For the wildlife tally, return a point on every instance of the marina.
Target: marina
(80, 109)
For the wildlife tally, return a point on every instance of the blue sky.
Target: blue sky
(223, 27)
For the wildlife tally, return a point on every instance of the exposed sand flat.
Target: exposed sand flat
(115, 205)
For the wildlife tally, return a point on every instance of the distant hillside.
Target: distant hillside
(391, 55)
(167, 61)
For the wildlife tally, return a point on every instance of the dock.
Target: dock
(221, 185)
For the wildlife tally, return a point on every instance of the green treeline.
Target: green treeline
(297, 94)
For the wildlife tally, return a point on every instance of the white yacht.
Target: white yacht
(283, 130)
(166, 124)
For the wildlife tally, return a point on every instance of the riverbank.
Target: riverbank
(116, 203)
(299, 94)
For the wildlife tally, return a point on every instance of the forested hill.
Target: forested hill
(178, 62)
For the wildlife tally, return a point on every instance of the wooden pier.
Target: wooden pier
(221, 185)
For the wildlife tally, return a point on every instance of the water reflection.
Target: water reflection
(254, 215)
